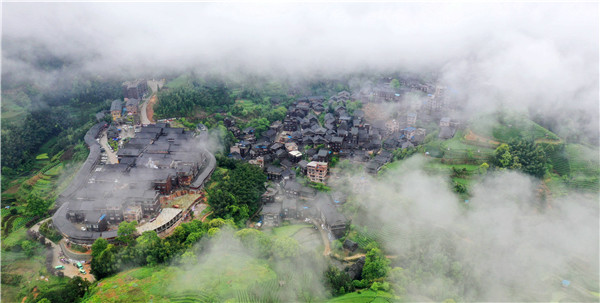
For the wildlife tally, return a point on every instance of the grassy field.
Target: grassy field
(437, 165)
(458, 149)
(49, 178)
(510, 126)
(365, 296)
(183, 201)
(209, 282)
(14, 107)
(178, 82)
(16, 263)
(288, 231)
(577, 167)
(226, 275)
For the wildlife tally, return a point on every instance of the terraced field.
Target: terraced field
(576, 167)
(206, 282)
(366, 297)
(459, 149)
(510, 126)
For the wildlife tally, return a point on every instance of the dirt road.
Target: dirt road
(206, 216)
(324, 237)
(147, 112)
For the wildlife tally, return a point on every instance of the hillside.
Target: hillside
(174, 284)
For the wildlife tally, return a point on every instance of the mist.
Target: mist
(226, 268)
(540, 58)
(536, 57)
(509, 242)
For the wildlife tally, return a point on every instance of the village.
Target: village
(135, 170)
(318, 132)
(372, 152)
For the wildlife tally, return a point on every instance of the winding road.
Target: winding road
(144, 112)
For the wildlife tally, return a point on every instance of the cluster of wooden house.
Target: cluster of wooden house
(292, 201)
(314, 131)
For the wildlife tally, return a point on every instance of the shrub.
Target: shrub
(49, 232)
(78, 248)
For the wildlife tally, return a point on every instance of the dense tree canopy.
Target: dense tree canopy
(126, 231)
(36, 206)
(376, 265)
(62, 113)
(522, 155)
(237, 194)
(106, 262)
(338, 281)
(183, 101)
(99, 246)
(71, 291)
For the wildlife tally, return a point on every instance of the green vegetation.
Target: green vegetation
(504, 127)
(14, 106)
(66, 290)
(290, 230)
(338, 281)
(22, 266)
(148, 249)
(236, 194)
(521, 155)
(67, 118)
(224, 269)
(376, 265)
(158, 284)
(183, 100)
(365, 296)
(113, 144)
(36, 206)
(49, 232)
(126, 231)
(178, 82)
(458, 150)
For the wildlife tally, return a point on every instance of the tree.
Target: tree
(106, 263)
(376, 265)
(522, 155)
(285, 247)
(459, 188)
(238, 193)
(255, 240)
(502, 156)
(528, 157)
(126, 231)
(36, 206)
(99, 246)
(219, 201)
(483, 168)
(399, 280)
(339, 282)
(194, 237)
(149, 247)
(28, 248)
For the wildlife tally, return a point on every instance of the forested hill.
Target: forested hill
(182, 101)
(58, 118)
